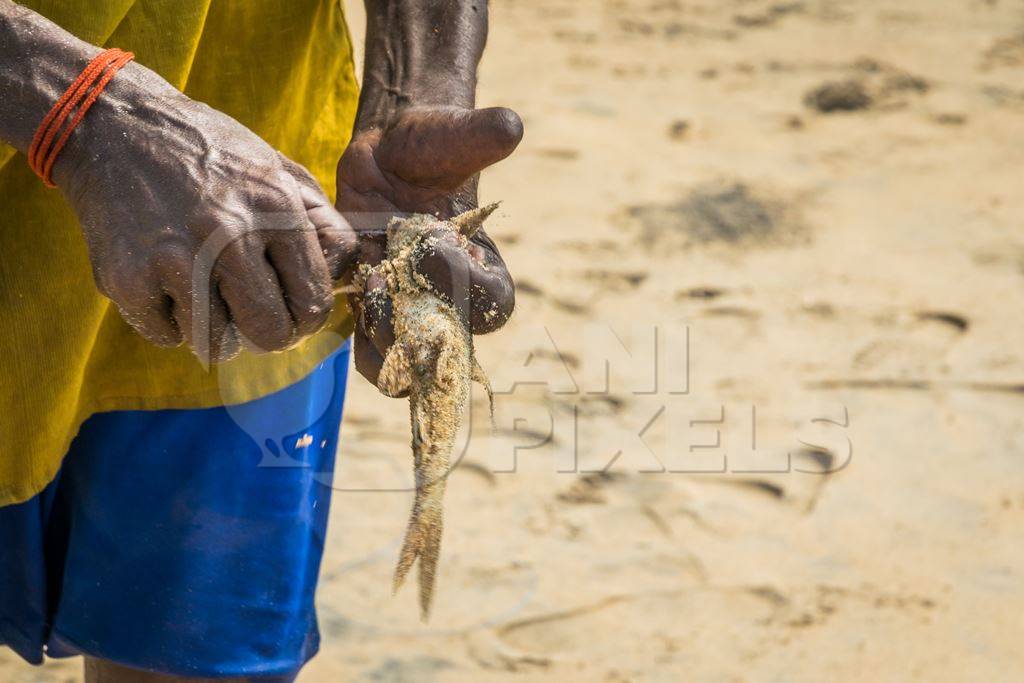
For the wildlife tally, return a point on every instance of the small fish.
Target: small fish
(432, 359)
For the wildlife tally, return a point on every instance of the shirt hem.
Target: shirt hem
(205, 398)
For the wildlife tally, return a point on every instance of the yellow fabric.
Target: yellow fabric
(281, 67)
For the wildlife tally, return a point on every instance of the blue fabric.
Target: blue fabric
(181, 541)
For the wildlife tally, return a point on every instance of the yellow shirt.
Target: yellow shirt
(281, 67)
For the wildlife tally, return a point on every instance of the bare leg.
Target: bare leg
(103, 671)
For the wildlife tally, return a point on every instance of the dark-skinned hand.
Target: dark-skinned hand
(177, 195)
(427, 160)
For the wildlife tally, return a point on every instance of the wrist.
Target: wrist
(381, 105)
(420, 53)
(38, 61)
(115, 122)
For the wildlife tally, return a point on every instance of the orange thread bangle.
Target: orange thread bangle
(48, 128)
(89, 85)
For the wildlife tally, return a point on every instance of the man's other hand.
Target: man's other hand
(427, 161)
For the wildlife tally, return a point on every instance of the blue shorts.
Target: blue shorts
(185, 542)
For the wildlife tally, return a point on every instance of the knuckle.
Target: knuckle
(175, 264)
(144, 321)
(135, 318)
(268, 331)
(118, 287)
(311, 320)
(104, 284)
(225, 347)
(493, 305)
(164, 341)
(315, 313)
(276, 186)
(297, 170)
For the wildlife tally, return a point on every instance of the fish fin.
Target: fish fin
(471, 221)
(423, 543)
(395, 376)
(478, 375)
(410, 549)
(430, 551)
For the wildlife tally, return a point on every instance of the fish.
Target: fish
(432, 360)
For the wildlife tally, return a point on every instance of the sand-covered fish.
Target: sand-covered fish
(432, 359)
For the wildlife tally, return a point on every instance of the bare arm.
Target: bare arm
(420, 53)
(38, 60)
(154, 179)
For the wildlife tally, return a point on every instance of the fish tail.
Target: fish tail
(410, 551)
(430, 551)
(422, 542)
(426, 523)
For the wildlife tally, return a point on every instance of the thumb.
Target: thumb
(443, 147)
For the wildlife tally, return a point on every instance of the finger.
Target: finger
(304, 277)
(302, 175)
(225, 342)
(210, 333)
(335, 235)
(140, 300)
(374, 332)
(368, 359)
(153, 318)
(442, 148)
(293, 250)
(477, 284)
(254, 297)
(338, 242)
(372, 247)
(494, 293)
(377, 310)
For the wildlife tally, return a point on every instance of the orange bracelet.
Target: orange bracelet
(42, 154)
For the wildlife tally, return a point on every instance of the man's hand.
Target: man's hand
(426, 161)
(197, 229)
(418, 145)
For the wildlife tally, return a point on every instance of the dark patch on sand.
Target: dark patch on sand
(1005, 52)
(678, 130)
(413, 669)
(872, 84)
(769, 16)
(774, 490)
(732, 214)
(528, 287)
(615, 280)
(700, 293)
(564, 357)
(953, 319)
(846, 95)
(589, 488)
(949, 119)
(562, 154)
(731, 312)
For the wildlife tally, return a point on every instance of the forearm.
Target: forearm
(38, 60)
(420, 52)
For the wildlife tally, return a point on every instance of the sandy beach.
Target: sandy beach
(795, 230)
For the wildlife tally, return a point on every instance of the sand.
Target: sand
(862, 266)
